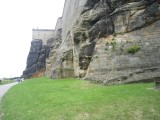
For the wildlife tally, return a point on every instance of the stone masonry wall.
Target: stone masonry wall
(43, 34)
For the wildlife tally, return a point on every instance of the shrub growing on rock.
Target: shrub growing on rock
(133, 49)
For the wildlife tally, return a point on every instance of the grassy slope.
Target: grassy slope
(70, 99)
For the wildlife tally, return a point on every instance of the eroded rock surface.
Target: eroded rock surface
(113, 64)
(96, 40)
(36, 58)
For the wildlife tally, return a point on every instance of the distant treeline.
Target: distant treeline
(13, 78)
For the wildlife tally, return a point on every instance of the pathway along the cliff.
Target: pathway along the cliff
(3, 90)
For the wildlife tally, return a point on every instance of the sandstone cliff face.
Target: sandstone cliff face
(107, 41)
(39, 51)
(36, 58)
(54, 61)
(136, 23)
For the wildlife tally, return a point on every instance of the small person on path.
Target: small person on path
(19, 80)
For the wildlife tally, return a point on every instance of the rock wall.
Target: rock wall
(107, 41)
(39, 51)
(52, 63)
(136, 26)
(115, 64)
(62, 60)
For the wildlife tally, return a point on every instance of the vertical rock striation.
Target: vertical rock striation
(52, 63)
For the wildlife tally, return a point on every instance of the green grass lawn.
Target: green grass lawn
(3, 82)
(71, 99)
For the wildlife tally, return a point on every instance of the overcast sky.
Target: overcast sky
(17, 18)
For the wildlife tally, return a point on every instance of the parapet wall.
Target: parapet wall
(42, 34)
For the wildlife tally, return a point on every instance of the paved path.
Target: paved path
(5, 88)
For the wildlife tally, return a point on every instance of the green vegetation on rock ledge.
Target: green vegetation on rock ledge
(133, 49)
(72, 99)
(111, 43)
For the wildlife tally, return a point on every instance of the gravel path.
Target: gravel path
(5, 88)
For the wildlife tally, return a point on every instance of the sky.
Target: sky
(17, 19)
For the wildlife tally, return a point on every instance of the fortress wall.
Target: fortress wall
(58, 26)
(43, 34)
(71, 13)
